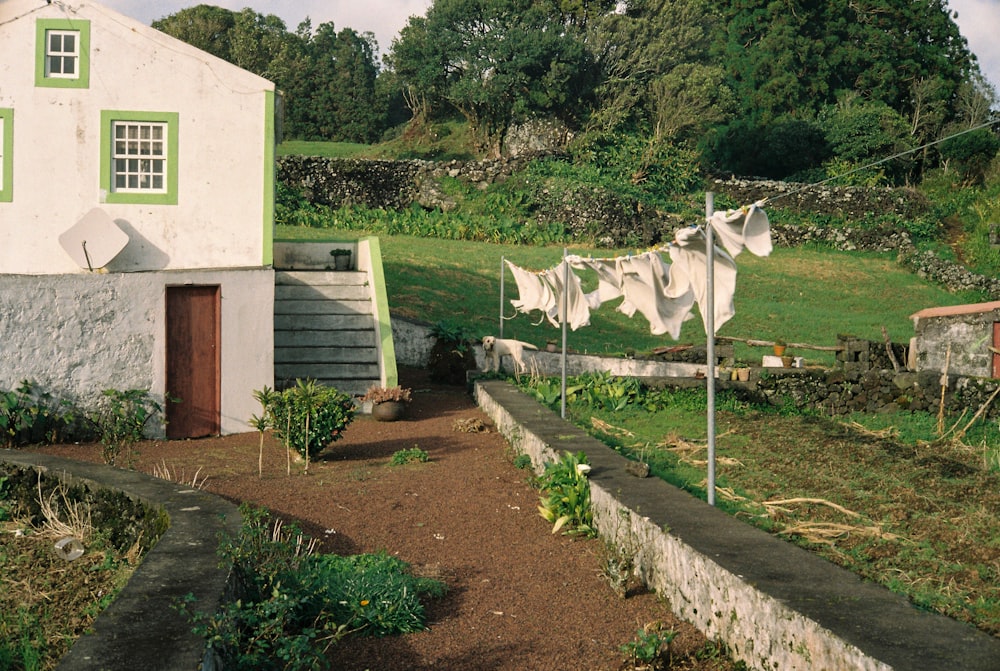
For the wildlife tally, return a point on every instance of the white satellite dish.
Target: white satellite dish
(94, 241)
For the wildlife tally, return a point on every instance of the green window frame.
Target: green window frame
(139, 157)
(6, 155)
(68, 66)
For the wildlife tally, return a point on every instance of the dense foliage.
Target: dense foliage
(759, 87)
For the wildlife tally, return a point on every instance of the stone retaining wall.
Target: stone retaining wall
(603, 215)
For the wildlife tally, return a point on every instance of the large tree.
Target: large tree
(796, 56)
(496, 62)
(327, 79)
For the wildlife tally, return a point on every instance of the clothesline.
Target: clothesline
(664, 293)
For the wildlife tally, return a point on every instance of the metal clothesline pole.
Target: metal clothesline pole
(501, 296)
(565, 311)
(710, 333)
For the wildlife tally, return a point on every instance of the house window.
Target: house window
(6, 155)
(139, 157)
(62, 53)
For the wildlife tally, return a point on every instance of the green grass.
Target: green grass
(324, 149)
(923, 517)
(804, 295)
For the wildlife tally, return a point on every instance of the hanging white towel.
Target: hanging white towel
(609, 280)
(747, 228)
(688, 273)
(577, 309)
(644, 283)
(533, 293)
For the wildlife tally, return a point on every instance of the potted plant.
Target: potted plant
(341, 258)
(388, 403)
(779, 347)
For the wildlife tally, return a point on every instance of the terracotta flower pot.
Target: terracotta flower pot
(779, 350)
(388, 411)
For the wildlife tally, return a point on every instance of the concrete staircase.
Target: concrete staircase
(324, 329)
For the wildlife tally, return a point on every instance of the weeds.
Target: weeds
(296, 603)
(412, 455)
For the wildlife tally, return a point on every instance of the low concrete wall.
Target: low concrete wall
(775, 605)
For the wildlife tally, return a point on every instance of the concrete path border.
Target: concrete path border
(773, 603)
(141, 629)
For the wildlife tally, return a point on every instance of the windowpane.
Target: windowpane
(61, 54)
(140, 152)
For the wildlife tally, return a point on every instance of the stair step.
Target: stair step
(332, 339)
(324, 322)
(312, 278)
(320, 355)
(337, 292)
(338, 306)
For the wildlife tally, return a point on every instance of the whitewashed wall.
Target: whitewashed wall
(75, 335)
(219, 220)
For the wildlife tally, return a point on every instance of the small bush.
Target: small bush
(566, 496)
(294, 605)
(410, 456)
(309, 416)
(120, 420)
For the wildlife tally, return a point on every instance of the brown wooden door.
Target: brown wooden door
(193, 375)
(996, 346)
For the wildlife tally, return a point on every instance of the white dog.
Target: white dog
(496, 348)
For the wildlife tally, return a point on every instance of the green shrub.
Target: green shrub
(309, 416)
(412, 455)
(120, 420)
(294, 605)
(28, 416)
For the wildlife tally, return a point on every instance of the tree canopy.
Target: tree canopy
(774, 86)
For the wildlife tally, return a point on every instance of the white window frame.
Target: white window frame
(142, 168)
(139, 156)
(62, 56)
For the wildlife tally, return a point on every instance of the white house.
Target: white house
(136, 215)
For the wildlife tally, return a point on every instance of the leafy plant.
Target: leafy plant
(649, 646)
(295, 604)
(565, 500)
(120, 420)
(309, 416)
(29, 416)
(409, 456)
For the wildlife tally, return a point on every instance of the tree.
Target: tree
(655, 68)
(797, 56)
(495, 62)
(203, 26)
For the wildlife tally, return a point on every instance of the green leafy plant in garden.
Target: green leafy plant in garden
(565, 499)
(409, 456)
(649, 647)
(308, 416)
(294, 604)
(29, 416)
(120, 420)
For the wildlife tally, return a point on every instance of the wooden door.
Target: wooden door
(193, 361)
(996, 347)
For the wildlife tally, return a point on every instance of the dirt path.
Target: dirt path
(519, 597)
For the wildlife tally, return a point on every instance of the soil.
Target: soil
(520, 598)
